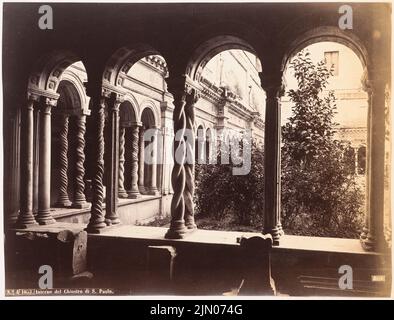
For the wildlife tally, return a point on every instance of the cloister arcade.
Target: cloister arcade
(95, 120)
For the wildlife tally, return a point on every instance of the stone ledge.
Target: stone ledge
(288, 242)
(213, 237)
(67, 212)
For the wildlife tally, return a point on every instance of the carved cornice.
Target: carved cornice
(128, 124)
(47, 97)
(157, 63)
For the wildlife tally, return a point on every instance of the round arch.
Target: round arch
(48, 71)
(127, 114)
(327, 34)
(149, 113)
(76, 82)
(210, 48)
(69, 96)
(132, 105)
(148, 118)
(119, 64)
(199, 125)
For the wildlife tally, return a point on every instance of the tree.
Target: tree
(320, 195)
(221, 194)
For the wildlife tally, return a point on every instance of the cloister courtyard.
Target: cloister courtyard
(126, 125)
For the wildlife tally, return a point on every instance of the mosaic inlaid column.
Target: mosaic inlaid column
(121, 190)
(63, 200)
(191, 99)
(177, 230)
(134, 146)
(79, 188)
(141, 162)
(97, 221)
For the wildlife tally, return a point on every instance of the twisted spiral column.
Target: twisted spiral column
(63, 200)
(79, 193)
(121, 190)
(134, 192)
(191, 99)
(96, 222)
(141, 164)
(178, 176)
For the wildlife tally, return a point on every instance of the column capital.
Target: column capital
(130, 124)
(46, 97)
(181, 86)
(114, 99)
(373, 79)
(192, 95)
(272, 82)
(46, 104)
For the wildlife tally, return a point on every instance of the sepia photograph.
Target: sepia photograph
(212, 149)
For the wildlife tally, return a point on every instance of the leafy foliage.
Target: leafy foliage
(320, 195)
(219, 193)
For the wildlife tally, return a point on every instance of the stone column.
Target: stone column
(374, 238)
(79, 190)
(202, 154)
(44, 178)
(356, 161)
(271, 81)
(36, 154)
(134, 193)
(97, 221)
(141, 164)
(112, 160)
(177, 230)
(191, 99)
(121, 190)
(153, 173)
(26, 217)
(364, 233)
(63, 200)
(12, 159)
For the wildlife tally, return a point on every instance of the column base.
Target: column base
(63, 204)
(281, 231)
(364, 234)
(177, 230)
(368, 243)
(25, 222)
(44, 218)
(81, 205)
(275, 233)
(134, 195)
(142, 190)
(112, 221)
(44, 222)
(154, 192)
(122, 194)
(96, 228)
(191, 224)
